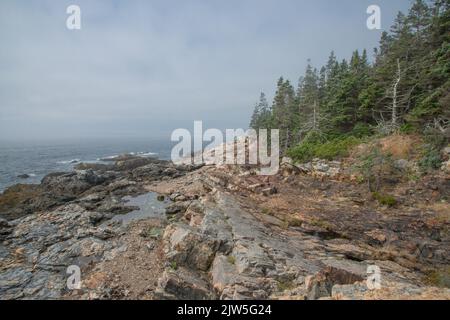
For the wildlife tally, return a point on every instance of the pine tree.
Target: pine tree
(408, 82)
(434, 97)
(265, 112)
(284, 112)
(261, 116)
(309, 103)
(254, 122)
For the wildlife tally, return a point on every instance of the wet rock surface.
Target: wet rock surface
(228, 234)
(64, 221)
(36, 254)
(126, 176)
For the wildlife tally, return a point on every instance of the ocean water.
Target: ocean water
(149, 207)
(38, 159)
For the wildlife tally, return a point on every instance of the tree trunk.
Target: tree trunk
(315, 117)
(286, 145)
(395, 94)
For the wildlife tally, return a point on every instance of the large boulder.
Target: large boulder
(73, 183)
(94, 166)
(388, 291)
(130, 164)
(150, 171)
(321, 284)
(185, 246)
(183, 284)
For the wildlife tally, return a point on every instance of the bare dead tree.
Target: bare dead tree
(395, 94)
(315, 116)
(316, 122)
(399, 102)
(440, 125)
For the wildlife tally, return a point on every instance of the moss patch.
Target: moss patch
(285, 285)
(17, 194)
(231, 260)
(439, 278)
(385, 199)
(155, 233)
(295, 222)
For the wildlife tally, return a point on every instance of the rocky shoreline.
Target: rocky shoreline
(226, 234)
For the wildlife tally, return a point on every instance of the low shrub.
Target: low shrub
(362, 130)
(431, 159)
(385, 199)
(311, 148)
(374, 166)
(407, 128)
(336, 148)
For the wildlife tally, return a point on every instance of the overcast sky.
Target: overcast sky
(144, 68)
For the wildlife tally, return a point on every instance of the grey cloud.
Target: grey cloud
(147, 67)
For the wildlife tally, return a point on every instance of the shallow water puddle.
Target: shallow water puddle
(149, 207)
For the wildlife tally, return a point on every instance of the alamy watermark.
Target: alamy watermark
(239, 147)
(73, 22)
(374, 20)
(373, 277)
(74, 279)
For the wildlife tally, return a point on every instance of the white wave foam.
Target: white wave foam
(138, 154)
(69, 161)
(108, 157)
(146, 154)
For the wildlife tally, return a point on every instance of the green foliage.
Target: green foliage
(303, 152)
(312, 148)
(261, 118)
(174, 265)
(373, 166)
(431, 155)
(362, 130)
(407, 128)
(337, 148)
(435, 138)
(351, 98)
(306, 150)
(385, 199)
(431, 160)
